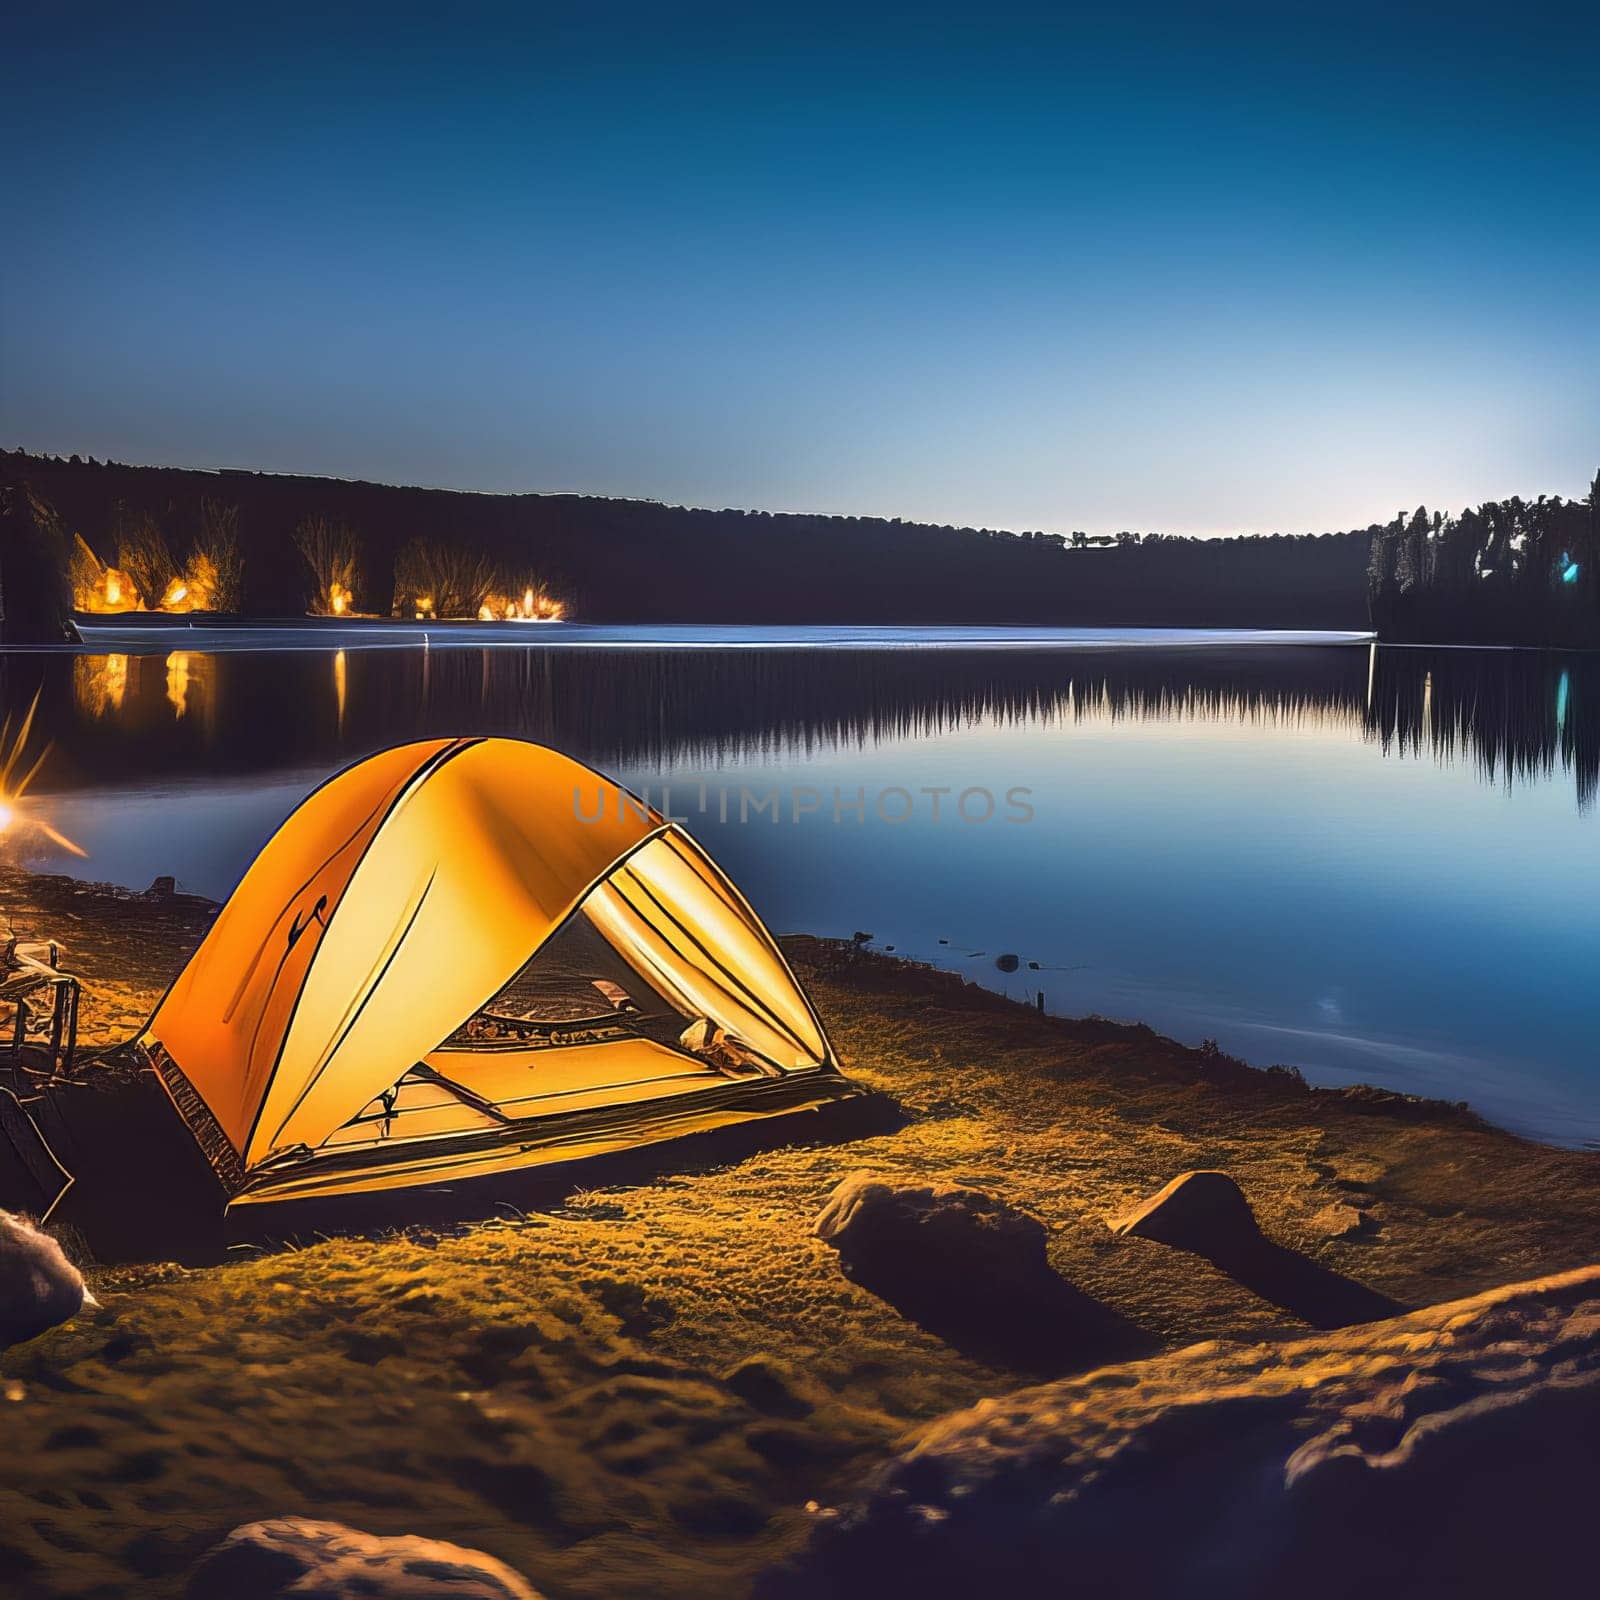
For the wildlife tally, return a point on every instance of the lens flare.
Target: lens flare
(18, 826)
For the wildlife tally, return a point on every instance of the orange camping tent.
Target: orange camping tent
(444, 965)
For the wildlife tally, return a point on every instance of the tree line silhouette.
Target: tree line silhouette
(1507, 572)
(1510, 572)
(640, 561)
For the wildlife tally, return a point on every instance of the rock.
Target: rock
(1007, 962)
(39, 1287)
(164, 888)
(973, 1272)
(1207, 1213)
(1201, 1211)
(1415, 1108)
(294, 1556)
(937, 1241)
(1448, 1452)
(1339, 1221)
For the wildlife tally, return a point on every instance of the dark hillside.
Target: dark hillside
(635, 560)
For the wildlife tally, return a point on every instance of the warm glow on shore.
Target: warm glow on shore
(534, 605)
(98, 587)
(103, 589)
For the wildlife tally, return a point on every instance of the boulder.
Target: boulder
(293, 1556)
(1201, 1211)
(972, 1271)
(1207, 1213)
(931, 1242)
(1447, 1452)
(39, 1287)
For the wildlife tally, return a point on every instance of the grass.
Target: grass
(638, 1392)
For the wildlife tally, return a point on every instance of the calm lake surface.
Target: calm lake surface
(1376, 864)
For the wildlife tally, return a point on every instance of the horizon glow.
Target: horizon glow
(1237, 271)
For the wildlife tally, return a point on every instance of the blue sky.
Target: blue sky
(1196, 269)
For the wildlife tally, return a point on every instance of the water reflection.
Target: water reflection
(1510, 717)
(341, 689)
(1514, 716)
(1373, 863)
(99, 684)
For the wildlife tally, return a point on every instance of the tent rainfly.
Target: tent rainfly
(445, 966)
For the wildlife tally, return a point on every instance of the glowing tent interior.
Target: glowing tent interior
(445, 966)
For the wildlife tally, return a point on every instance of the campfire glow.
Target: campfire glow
(534, 605)
(20, 826)
(100, 588)
(339, 599)
(189, 593)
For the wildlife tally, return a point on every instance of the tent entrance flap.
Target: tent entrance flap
(682, 927)
(662, 943)
(646, 943)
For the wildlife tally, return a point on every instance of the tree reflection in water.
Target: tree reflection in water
(1512, 716)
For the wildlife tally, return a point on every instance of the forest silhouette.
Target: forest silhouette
(639, 561)
(1506, 572)
(1510, 572)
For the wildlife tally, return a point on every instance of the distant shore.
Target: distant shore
(155, 633)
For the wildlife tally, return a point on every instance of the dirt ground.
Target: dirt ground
(636, 1391)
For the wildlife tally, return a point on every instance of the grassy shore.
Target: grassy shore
(636, 1391)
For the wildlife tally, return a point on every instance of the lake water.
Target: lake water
(1377, 864)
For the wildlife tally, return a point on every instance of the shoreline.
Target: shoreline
(127, 945)
(636, 1388)
(125, 923)
(152, 633)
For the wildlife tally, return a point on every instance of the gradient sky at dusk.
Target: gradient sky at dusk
(1189, 268)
